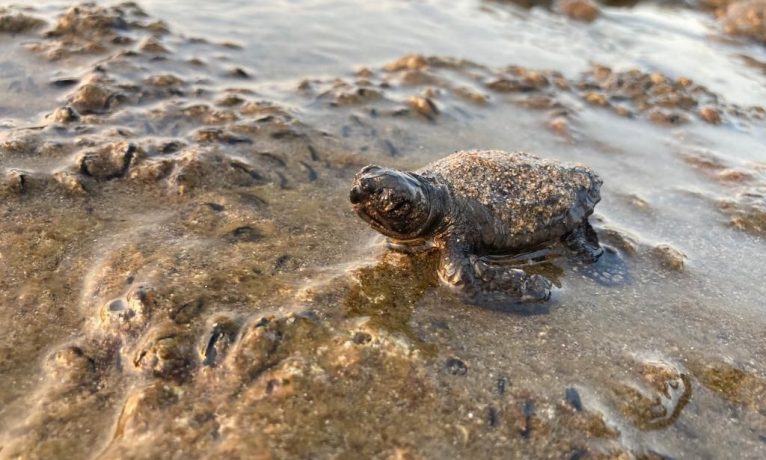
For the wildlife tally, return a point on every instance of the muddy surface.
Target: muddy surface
(181, 274)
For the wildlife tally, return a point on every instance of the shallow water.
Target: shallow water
(133, 295)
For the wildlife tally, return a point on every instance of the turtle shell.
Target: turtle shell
(529, 199)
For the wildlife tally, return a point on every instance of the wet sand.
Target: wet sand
(181, 273)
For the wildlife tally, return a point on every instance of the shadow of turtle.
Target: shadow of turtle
(609, 270)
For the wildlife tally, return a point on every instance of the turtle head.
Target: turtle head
(395, 203)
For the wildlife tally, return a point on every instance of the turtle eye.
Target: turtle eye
(393, 205)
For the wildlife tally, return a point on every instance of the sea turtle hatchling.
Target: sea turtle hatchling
(474, 206)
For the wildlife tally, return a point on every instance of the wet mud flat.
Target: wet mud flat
(181, 273)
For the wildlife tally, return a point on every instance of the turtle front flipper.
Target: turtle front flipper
(583, 242)
(477, 277)
(602, 264)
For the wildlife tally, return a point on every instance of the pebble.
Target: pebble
(17, 22)
(65, 114)
(745, 18)
(456, 367)
(108, 162)
(580, 10)
(710, 115)
(595, 98)
(238, 72)
(572, 397)
(670, 257)
(560, 126)
(245, 234)
(15, 181)
(153, 46)
(424, 106)
(91, 98)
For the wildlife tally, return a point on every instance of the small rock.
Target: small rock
(361, 338)
(534, 79)
(657, 78)
(263, 343)
(580, 10)
(245, 233)
(238, 72)
(130, 313)
(560, 125)
(456, 367)
(165, 80)
(71, 182)
(734, 175)
(108, 162)
(143, 406)
(89, 21)
(284, 263)
(657, 398)
(166, 352)
(16, 23)
(623, 111)
(492, 416)
(662, 117)
(91, 98)
(505, 85)
(471, 95)
(14, 181)
(357, 96)
(171, 147)
(502, 385)
(231, 45)
(710, 115)
(424, 106)
(525, 425)
(230, 100)
(746, 18)
(72, 368)
(704, 160)
(217, 341)
(539, 102)
(186, 312)
(158, 27)
(206, 135)
(419, 78)
(638, 202)
(573, 398)
(364, 72)
(65, 114)
(747, 211)
(409, 62)
(620, 239)
(153, 46)
(151, 170)
(219, 117)
(595, 98)
(669, 256)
